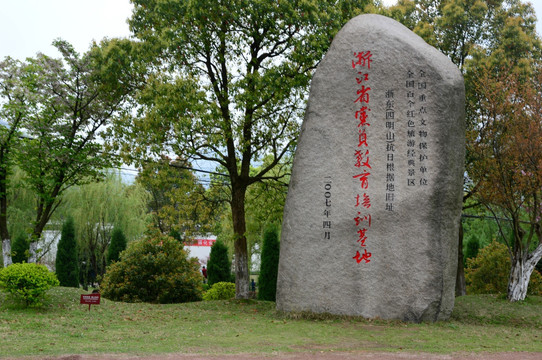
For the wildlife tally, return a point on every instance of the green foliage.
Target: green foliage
(267, 281)
(157, 270)
(535, 284)
(97, 207)
(488, 273)
(175, 199)
(220, 291)
(264, 205)
(473, 246)
(28, 282)
(117, 245)
(67, 264)
(70, 102)
(218, 266)
(19, 249)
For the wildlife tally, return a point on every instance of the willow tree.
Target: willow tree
(98, 208)
(229, 85)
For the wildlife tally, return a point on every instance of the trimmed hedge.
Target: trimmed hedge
(220, 291)
(28, 282)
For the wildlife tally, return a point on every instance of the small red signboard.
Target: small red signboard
(90, 299)
(201, 242)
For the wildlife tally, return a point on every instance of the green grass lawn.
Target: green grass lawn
(63, 326)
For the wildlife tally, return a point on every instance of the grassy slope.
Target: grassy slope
(63, 326)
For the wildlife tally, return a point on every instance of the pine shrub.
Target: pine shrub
(20, 249)
(220, 291)
(155, 269)
(28, 282)
(218, 266)
(117, 245)
(267, 281)
(473, 246)
(66, 263)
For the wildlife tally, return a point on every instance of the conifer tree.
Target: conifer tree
(267, 281)
(67, 267)
(20, 249)
(218, 267)
(117, 245)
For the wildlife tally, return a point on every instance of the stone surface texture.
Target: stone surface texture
(389, 176)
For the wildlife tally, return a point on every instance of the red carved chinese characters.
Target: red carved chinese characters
(362, 59)
(362, 165)
(362, 257)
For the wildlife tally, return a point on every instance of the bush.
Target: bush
(220, 291)
(267, 281)
(66, 263)
(218, 266)
(29, 282)
(488, 273)
(535, 284)
(156, 270)
(117, 245)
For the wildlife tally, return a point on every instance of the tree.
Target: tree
(15, 104)
(267, 281)
(116, 246)
(67, 264)
(264, 205)
(176, 202)
(218, 266)
(228, 86)
(509, 166)
(76, 97)
(100, 207)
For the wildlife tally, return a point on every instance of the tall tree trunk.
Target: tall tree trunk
(4, 233)
(6, 252)
(240, 243)
(520, 273)
(460, 284)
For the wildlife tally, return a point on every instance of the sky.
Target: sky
(29, 26)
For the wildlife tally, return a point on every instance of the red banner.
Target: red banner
(201, 242)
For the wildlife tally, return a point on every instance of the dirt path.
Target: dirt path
(306, 356)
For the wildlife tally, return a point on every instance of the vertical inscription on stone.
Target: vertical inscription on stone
(326, 223)
(362, 166)
(417, 132)
(371, 220)
(390, 150)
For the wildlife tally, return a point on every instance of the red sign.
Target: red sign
(90, 299)
(201, 242)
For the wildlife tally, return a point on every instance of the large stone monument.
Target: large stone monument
(371, 219)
